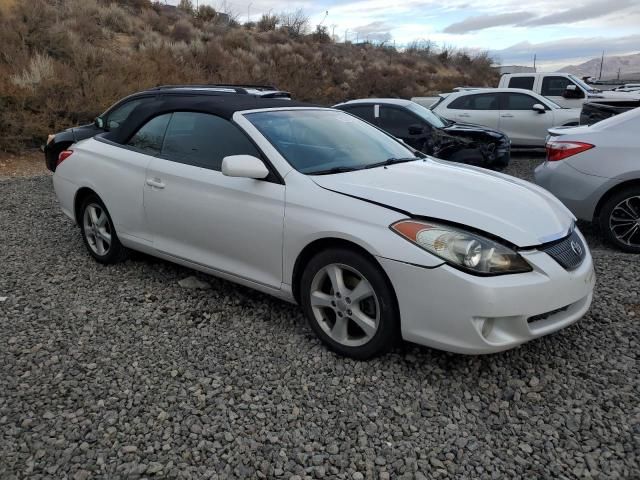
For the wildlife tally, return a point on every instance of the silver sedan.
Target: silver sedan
(595, 171)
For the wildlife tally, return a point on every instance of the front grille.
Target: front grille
(568, 252)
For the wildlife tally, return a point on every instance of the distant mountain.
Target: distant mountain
(629, 66)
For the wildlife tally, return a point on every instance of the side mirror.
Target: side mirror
(572, 91)
(538, 107)
(99, 122)
(416, 129)
(244, 166)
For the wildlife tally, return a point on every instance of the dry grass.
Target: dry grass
(62, 65)
(28, 164)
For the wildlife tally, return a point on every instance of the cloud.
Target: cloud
(567, 50)
(589, 11)
(480, 22)
(378, 31)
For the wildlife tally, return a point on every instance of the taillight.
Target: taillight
(63, 156)
(557, 150)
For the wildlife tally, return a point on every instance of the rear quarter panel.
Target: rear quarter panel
(616, 154)
(116, 175)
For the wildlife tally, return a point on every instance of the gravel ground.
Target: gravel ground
(119, 371)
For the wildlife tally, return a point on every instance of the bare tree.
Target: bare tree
(186, 6)
(295, 24)
(421, 47)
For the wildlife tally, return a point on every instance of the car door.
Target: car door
(122, 172)
(476, 108)
(554, 87)
(404, 125)
(524, 125)
(195, 213)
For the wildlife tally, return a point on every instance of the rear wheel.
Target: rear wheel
(620, 219)
(98, 233)
(349, 304)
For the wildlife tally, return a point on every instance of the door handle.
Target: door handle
(155, 183)
(466, 115)
(507, 115)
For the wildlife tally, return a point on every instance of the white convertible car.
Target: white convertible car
(375, 241)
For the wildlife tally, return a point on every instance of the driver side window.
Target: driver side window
(555, 86)
(150, 136)
(519, 101)
(119, 114)
(396, 120)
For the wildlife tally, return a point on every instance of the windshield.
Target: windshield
(427, 115)
(327, 141)
(583, 85)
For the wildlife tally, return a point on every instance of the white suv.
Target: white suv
(523, 115)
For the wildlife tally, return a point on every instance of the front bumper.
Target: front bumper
(448, 309)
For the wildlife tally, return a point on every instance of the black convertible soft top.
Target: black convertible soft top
(224, 105)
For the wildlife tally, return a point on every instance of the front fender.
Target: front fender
(313, 213)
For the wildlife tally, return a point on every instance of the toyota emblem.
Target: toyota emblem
(575, 246)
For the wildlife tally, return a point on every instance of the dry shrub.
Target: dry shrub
(115, 18)
(183, 31)
(40, 69)
(62, 66)
(267, 22)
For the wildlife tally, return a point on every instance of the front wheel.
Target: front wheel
(98, 232)
(350, 304)
(620, 219)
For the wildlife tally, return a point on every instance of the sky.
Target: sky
(557, 32)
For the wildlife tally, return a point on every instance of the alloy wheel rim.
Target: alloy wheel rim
(624, 221)
(97, 229)
(345, 305)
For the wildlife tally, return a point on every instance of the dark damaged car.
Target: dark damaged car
(110, 120)
(424, 130)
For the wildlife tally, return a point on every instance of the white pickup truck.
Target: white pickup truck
(565, 89)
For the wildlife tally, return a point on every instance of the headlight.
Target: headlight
(461, 249)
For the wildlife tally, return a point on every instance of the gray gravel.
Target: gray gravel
(119, 371)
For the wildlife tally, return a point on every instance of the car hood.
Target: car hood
(461, 128)
(611, 94)
(517, 211)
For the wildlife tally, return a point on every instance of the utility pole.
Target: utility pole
(333, 31)
(346, 32)
(601, 62)
(534, 62)
(249, 12)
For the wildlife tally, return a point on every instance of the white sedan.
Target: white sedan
(523, 115)
(318, 207)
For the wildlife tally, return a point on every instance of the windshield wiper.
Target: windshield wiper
(392, 161)
(330, 171)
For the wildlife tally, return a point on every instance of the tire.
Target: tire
(359, 329)
(96, 226)
(620, 219)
